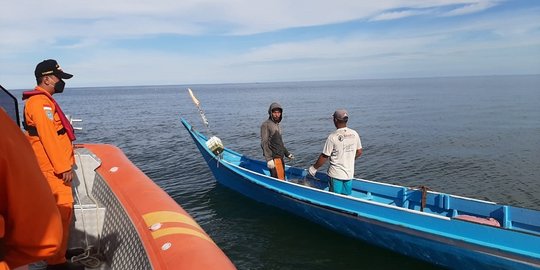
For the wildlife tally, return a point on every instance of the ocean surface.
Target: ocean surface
(472, 136)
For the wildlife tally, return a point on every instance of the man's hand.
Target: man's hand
(67, 176)
(290, 156)
(270, 164)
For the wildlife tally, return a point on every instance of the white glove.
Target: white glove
(270, 164)
(290, 156)
(312, 171)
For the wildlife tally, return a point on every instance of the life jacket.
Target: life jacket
(63, 119)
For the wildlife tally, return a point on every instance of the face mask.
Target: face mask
(59, 86)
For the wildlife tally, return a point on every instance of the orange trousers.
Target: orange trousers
(64, 201)
(66, 213)
(279, 171)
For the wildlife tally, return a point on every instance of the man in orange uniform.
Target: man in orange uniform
(30, 225)
(50, 135)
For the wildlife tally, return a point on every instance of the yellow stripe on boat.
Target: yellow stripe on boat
(168, 216)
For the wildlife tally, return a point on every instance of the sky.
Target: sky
(169, 42)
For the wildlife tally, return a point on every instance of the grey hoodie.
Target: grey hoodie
(271, 140)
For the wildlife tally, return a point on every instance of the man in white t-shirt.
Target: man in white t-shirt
(343, 147)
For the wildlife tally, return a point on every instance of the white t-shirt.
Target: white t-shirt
(341, 147)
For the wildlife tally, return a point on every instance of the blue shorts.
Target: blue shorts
(341, 186)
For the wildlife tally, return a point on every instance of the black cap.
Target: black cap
(50, 67)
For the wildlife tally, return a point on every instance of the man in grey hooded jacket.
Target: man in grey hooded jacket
(272, 143)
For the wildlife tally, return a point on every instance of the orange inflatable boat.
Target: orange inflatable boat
(125, 221)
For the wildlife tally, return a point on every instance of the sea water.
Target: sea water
(472, 136)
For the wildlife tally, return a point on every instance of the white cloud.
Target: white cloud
(393, 15)
(472, 8)
(87, 31)
(121, 18)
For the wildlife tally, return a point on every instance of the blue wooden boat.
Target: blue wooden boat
(443, 229)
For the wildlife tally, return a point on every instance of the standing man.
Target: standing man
(272, 143)
(30, 225)
(50, 134)
(343, 147)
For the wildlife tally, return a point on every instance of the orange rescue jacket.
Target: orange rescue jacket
(29, 219)
(53, 148)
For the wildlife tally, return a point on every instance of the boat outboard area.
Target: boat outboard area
(443, 229)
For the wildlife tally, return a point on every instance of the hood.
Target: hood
(272, 107)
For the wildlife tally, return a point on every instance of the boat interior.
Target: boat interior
(101, 228)
(409, 198)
